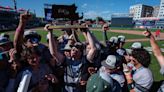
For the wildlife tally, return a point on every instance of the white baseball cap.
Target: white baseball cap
(113, 39)
(121, 38)
(112, 61)
(136, 45)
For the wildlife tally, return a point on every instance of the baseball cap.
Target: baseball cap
(78, 45)
(5, 35)
(4, 40)
(112, 61)
(113, 39)
(136, 45)
(121, 38)
(121, 51)
(32, 35)
(67, 47)
(129, 51)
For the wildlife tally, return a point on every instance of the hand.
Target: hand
(14, 68)
(12, 53)
(25, 17)
(147, 33)
(127, 72)
(126, 69)
(92, 70)
(46, 28)
(52, 78)
(84, 29)
(105, 27)
(83, 82)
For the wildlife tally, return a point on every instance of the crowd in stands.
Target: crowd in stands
(69, 65)
(10, 19)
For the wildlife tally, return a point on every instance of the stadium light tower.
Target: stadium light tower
(15, 4)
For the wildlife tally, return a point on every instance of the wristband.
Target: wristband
(131, 86)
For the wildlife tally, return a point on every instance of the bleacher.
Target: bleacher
(9, 19)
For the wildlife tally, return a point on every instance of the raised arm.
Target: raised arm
(155, 48)
(105, 37)
(91, 41)
(75, 36)
(18, 37)
(53, 46)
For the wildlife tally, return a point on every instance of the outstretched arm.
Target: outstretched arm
(105, 37)
(18, 37)
(53, 46)
(155, 48)
(75, 36)
(91, 41)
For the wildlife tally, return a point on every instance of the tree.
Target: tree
(98, 18)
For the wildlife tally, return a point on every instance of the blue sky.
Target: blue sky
(90, 8)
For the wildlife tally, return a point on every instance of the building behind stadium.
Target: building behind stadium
(140, 16)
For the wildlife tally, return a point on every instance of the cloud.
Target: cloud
(94, 14)
(107, 16)
(91, 14)
(84, 5)
(105, 12)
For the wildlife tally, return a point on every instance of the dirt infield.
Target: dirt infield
(137, 33)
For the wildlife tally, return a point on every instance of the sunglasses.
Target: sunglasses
(34, 40)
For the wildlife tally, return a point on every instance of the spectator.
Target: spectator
(39, 71)
(67, 50)
(77, 66)
(136, 45)
(157, 53)
(29, 39)
(157, 33)
(113, 45)
(156, 49)
(104, 82)
(142, 78)
(121, 41)
(127, 60)
(63, 39)
(28, 47)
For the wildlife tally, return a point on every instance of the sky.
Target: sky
(90, 8)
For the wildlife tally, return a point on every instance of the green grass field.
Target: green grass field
(154, 65)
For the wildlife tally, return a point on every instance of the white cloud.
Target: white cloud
(105, 12)
(94, 14)
(107, 16)
(84, 5)
(91, 14)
